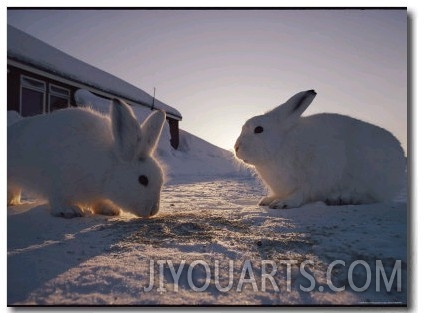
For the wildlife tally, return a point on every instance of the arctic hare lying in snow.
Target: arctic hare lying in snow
(324, 157)
(79, 159)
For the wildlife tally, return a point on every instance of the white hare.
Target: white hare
(324, 157)
(80, 160)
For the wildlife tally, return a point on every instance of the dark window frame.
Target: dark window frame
(53, 93)
(24, 83)
(47, 89)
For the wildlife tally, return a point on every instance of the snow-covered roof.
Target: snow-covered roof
(31, 51)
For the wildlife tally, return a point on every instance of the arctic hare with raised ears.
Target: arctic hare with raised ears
(81, 160)
(324, 157)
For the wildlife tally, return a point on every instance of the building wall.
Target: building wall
(174, 132)
(12, 89)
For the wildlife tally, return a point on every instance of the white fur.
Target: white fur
(322, 157)
(79, 159)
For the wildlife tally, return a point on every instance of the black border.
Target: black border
(176, 8)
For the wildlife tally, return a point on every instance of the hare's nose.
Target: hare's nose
(236, 147)
(155, 209)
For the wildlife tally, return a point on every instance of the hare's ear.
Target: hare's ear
(292, 109)
(126, 131)
(151, 129)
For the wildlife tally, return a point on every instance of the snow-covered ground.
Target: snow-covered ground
(106, 260)
(209, 226)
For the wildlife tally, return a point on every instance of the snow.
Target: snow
(106, 261)
(12, 117)
(208, 218)
(32, 51)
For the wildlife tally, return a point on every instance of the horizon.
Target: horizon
(221, 67)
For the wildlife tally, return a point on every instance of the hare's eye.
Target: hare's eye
(258, 129)
(143, 180)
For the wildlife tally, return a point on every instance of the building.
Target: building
(42, 79)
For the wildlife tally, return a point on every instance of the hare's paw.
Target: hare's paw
(279, 204)
(106, 208)
(13, 196)
(266, 201)
(293, 202)
(67, 211)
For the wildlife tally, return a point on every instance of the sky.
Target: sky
(221, 67)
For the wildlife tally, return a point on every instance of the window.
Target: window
(59, 98)
(33, 93)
